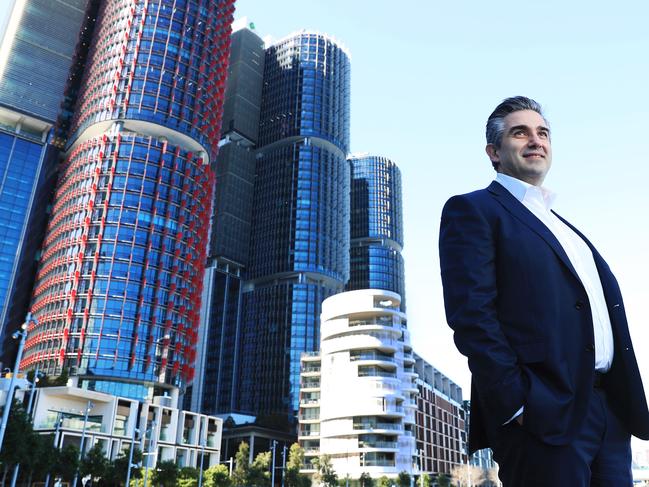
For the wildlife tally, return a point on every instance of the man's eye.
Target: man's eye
(519, 133)
(544, 134)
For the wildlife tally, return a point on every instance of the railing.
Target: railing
(378, 426)
(377, 444)
(310, 384)
(373, 356)
(310, 369)
(378, 463)
(309, 433)
(375, 373)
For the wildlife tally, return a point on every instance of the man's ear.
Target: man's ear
(492, 152)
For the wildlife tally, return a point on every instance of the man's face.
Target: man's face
(525, 152)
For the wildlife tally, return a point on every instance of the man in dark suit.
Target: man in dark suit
(556, 391)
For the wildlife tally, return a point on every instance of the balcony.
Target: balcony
(378, 426)
(375, 372)
(310, 384)
(372, 356)
(392, 445)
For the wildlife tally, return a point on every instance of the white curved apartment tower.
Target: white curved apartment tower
(367, 386)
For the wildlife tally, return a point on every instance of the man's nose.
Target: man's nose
(535, 141)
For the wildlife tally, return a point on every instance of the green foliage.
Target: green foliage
(15, 448)
(259, 475)
(325, 471)
(188, 477)
(116, 471)
(66, 463)
(426, 479)
(139, 481)
(217, 476)
(403, 480)
(292, 475)
(443, 481)
(384, 482)
(165, 474)
(94, 463)
(366, 480)
(241, 466)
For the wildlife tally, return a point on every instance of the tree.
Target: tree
(42, 459)
(259, 475)
(292, 475)
(117, 469)
(467, 475)
(492, 476)
(18, 435)
(403, 479)
(217, 476)
(426, 479)
(67, 462)
(443, 480)
(94, 463)
(188, 477)
(241, 465)
(384, 482)
(165, 474)
(326, 474)
(366, 480)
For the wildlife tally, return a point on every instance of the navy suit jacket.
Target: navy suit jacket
(522, 317)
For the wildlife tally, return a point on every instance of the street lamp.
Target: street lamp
(89, 406)
(14, 477)
(272, 475)
(130, 456)
(22, 334)
(148, 454)
(59, 423)
(283, 464)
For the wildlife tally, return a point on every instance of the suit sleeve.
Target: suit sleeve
(467, 248)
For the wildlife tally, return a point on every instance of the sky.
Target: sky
(425, 75)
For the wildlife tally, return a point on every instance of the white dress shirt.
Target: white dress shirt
(539, 201)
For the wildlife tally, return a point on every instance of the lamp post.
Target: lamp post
(22, 334)
(89, 406)
(59, 423)
(272, 462)
(130, 456)
(148, 454)
(203, 440)
(14, 477)
(283, 464)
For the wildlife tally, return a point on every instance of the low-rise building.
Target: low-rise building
(441, 435)
(165, 432)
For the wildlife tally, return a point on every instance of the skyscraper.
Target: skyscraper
(219, 345)
(41, 42)
(376, 225)
(118, 290)
(299, 253)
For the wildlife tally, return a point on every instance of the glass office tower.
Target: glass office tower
(219, 350)
(376, 226)
(299, 252)
(118, 290)
(40, 43)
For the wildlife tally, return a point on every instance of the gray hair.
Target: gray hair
(496, 121)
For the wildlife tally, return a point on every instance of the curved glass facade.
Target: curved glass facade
(118, 291)
(161, 62)
(376, 226)
(300, 235)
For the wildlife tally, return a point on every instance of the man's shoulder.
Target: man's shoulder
(480, 197)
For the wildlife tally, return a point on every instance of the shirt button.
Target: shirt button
(579, 305)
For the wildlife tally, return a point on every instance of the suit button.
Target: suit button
(579, 305)
(590, 348)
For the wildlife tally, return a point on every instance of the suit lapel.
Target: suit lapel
(518, 209)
